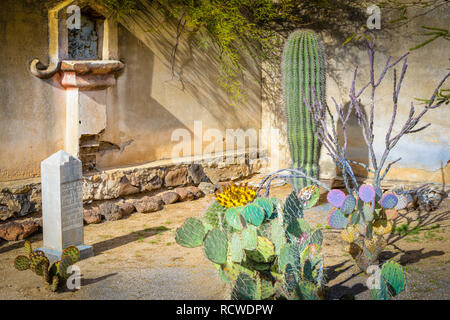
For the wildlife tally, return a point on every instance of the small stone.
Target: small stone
(196, 191)
(91, 216)
(207, 188)
(196, 174)
(148, 204)
(29, 227)
(176, 177)
(185, 194)
(158, 199)
(13, 231)
(126, 208)
(125, 187)
(170, 197)
(110, 211)
(21, 189)
(5, 213)
(10, 231)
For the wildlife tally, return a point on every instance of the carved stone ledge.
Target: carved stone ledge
(89, 74)
(92, 66)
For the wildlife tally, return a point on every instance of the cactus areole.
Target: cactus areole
(303, 70)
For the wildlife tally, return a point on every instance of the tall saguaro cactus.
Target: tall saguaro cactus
(303, 70)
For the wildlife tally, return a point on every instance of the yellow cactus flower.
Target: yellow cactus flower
(236, 195)
(382, 227)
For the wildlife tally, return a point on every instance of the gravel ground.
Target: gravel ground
(137, 258)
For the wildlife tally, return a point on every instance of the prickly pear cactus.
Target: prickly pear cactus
(53, 275)
(22, 263)
(304, 72)
(366, 219)
(251, 246)
(71, 252)
(392, 282)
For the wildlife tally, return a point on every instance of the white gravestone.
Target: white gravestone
(62, 205)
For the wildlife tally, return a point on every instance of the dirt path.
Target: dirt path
(137, 258)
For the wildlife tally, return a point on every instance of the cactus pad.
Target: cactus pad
(237, 253)
(264, 252)
(253, 265)
(277, 236)
(307, 291)
(298, 227)
(253, 214)
(245, 288)
(28, 248)
(348, 205)
(232, 216)
(249, 238)
(308, 271)
(336, 219)
(368, 212)
(336, 197)
(62, 267)
(402, 202)
(191, 233)
(211, 215)
(267, 289)
(71, 252)
(35, 265)
(55, 283)
(215, 246)
(388, 201)
(309, 196)
(266, 205)
(316, 237)
(292, 209)
(394, 276)
(22, 263)
(43, 266)
(354, 218)
(290, 254)
(233, 270)
(291, 275)
(391, 214)
(382, 227)
(366, 193)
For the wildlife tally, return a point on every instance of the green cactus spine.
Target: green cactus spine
(303, 70)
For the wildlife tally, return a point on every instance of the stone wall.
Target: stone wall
(20, 203)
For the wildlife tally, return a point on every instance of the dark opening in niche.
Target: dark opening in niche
(84, 43)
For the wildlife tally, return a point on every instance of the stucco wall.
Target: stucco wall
(149, 103)
(422, 153)
(143, 109)
(31, 110)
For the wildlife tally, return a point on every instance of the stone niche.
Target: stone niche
(86, 60)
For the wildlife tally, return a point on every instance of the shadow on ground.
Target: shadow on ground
(109, 244)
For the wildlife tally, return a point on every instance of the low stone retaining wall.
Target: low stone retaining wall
(155, 184)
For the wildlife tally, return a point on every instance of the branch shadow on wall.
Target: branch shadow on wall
(357, 149)
(196, 69)
(133, 112)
